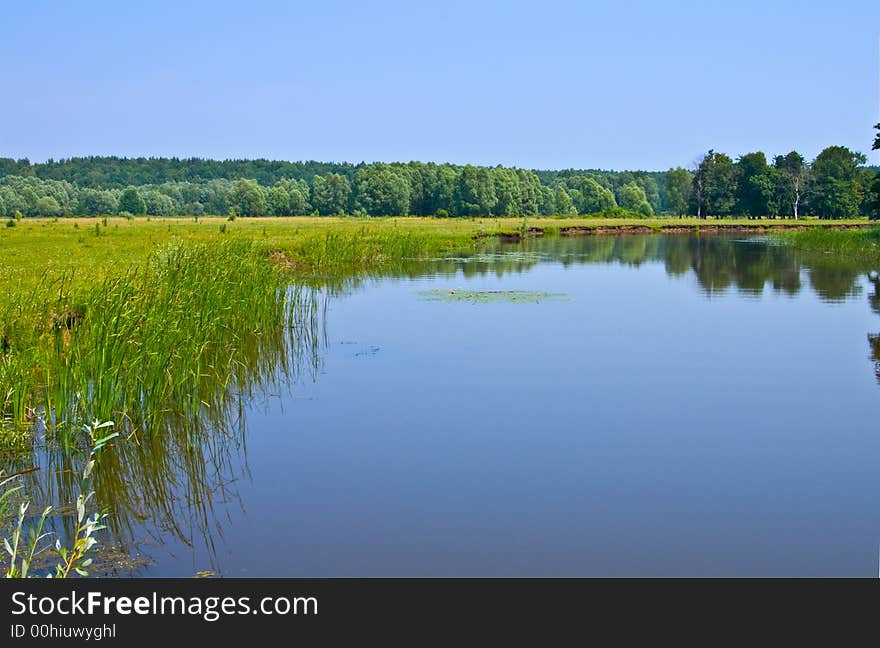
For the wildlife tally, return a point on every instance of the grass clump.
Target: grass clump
(157, 336)
(857, 245)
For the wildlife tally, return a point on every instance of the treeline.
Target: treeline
(837, 184)
(414, 188)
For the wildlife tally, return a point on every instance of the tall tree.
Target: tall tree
(130, 201)
(95, 202)
(837, 192)
(563, 204)
(714, 185)
(507, 191)
(278, 200)
(631, 196)
(790, 185)
(382, 190)
(652, 191)
(874, 204)
(594, 198)
(159, 204)
(248, 198)
(754, 189)
(331, 194)
(476, 195)
(678, 189)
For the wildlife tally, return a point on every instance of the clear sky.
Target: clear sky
(552, 84)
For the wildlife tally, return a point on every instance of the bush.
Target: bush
(10, 222)
(442, 213)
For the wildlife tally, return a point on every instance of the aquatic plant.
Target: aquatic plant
(857, 245)
(490, 296)
(23, 545)
(140, 342)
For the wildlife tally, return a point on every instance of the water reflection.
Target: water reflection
(718, 263)
(175, 469)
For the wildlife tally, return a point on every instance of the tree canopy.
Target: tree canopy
(836, 184)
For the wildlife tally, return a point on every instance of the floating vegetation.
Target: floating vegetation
(522, 256)
(491, 296)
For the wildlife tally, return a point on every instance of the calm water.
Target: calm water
(690, 407)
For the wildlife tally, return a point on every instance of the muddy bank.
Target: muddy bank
(714, 228)
(512, 237)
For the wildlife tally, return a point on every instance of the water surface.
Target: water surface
(684, 406)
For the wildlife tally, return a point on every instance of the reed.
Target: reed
(170, 335)
(857, 245)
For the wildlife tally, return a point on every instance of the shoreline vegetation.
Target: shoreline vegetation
(163, 325)
(86, 250)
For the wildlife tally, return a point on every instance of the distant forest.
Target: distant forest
(837, 184)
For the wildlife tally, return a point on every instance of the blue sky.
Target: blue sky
(620, 85)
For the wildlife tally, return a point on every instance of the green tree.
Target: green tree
(548, 201)
(593, 197)
(507, 192)
(446, 196)
(331, 194)
(95, 202)
(298, 190)
(874, 201)
(754, 188)
(836, 190)
(476, 192)
(131, 201)
(789, 183)
(248, 198)
(158, 204)
(678, 190)
(278, 200)
(383, 190)
(714, 185)
(529, 193)
(47, 206)
(563, 205)
(652, 191)
(631, 196)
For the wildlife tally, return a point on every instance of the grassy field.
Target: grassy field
(87, 250)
